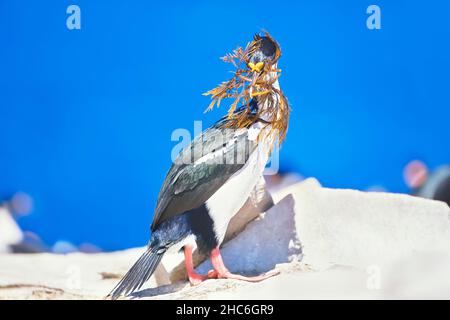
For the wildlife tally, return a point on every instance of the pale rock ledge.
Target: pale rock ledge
(327, 243)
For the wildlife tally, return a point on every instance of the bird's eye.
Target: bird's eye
(268, 47)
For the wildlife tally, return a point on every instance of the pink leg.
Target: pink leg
(194, 277)
(223, 273)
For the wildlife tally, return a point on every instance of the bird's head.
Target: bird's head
(255, 79)
(256, 73)
(263, 53)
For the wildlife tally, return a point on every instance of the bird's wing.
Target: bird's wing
(201, 169)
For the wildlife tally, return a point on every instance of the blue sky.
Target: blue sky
(86, 115)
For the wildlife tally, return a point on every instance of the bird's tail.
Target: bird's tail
(139, 273)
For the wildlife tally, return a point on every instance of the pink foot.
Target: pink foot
(223, 273)
(194, 278)
(229, 275)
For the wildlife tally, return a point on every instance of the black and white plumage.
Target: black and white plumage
(206, 186)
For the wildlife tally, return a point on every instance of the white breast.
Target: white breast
(226, 202)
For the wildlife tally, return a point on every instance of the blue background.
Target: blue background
(86, 115)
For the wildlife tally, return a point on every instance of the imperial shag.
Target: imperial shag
(212, 178)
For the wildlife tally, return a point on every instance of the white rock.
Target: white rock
(10, 232)
(354, 228)
(350, 244)
(70, 276)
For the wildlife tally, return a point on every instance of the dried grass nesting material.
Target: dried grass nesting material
(247, 84)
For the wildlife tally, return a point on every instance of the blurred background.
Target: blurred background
(86, 116)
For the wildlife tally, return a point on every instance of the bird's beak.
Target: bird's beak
(256, 67)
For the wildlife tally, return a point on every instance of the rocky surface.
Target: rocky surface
(10, 232)
(326, 243)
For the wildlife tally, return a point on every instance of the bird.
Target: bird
(211, 179)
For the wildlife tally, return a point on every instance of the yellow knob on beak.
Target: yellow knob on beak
(256, 67)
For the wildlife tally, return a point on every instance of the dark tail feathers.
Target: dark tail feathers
(139, 273)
